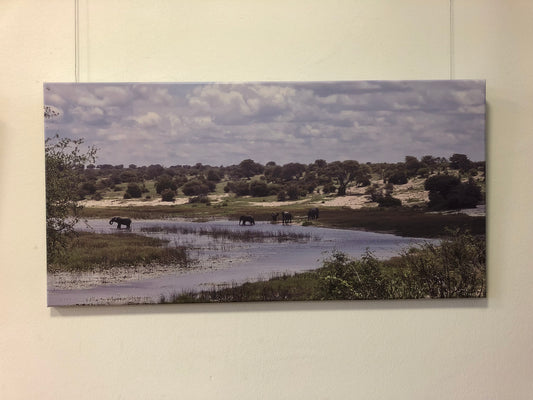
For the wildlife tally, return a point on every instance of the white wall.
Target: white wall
(372, 350)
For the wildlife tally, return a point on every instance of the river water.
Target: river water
(227, 254)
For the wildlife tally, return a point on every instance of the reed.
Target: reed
(245, 235)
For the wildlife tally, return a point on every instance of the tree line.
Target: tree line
(450, 181)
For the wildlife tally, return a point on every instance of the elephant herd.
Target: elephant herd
(286, 217)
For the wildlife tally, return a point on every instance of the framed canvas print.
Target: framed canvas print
(264, 191)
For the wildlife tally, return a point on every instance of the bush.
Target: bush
(386, 200)
(168, 195)
(259, 189)
(343, 278)
(329, 188)
(165, 182)
(448, 192)
(293, 191)
(134, 191)
(195, 188)
(398, 178)
(200, 199)
(240, 188)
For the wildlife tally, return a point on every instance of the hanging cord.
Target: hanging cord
(452, 49)
(76, 40)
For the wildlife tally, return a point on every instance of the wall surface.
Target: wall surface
(373, 350)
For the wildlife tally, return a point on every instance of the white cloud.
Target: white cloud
(148, 120)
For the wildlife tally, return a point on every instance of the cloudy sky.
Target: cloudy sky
(223, 124)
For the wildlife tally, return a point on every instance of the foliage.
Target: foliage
(448, 192)
(347, 279)
(460, 162)
(134, 191)
(195, 187)
(165, 182)
(455, 268)
(240, 188)
(259, 189)
(168, 195)
(64, 162)
(344, 172)
(386, 200)
(202, 199)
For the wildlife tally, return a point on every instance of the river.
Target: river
(226, 254)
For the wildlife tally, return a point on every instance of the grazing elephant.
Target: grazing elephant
(312, 214)
(121, 221)
(275, 217)
(286, 217)
(246, 218)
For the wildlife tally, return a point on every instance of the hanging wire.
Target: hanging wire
(76, 40)
(452, 49)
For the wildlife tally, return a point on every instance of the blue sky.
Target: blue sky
(223, 124)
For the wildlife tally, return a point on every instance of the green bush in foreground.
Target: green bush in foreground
(454, 268)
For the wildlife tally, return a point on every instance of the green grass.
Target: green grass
(91, 251)
(286, 287)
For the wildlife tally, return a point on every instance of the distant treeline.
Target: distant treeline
(292, 180)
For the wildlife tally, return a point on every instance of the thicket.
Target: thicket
(454, 268)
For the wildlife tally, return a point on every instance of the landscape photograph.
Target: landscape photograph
(160, 193)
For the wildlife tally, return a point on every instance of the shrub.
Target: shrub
(329, 188)
(386, 200)
(259, 189)
(240, 188)
(195, 188)
(398, 178)
(165, 182)
(293, 191)
(134, 191)
(168, 195)
(448, 192)
(200, 199)
(343, 278)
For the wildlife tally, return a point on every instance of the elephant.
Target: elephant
(121, 221)
(312, 214)
(275, 217)
(286, 217)
(246, 218)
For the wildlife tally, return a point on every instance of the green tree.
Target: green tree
(448, 192)
(165, 182)
(64, 163)
(344, 172)
(460, 162)
(168, 195)
(259, 189)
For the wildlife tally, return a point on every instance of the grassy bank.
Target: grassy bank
(403, 221)
(92, 251)
(454, 269)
